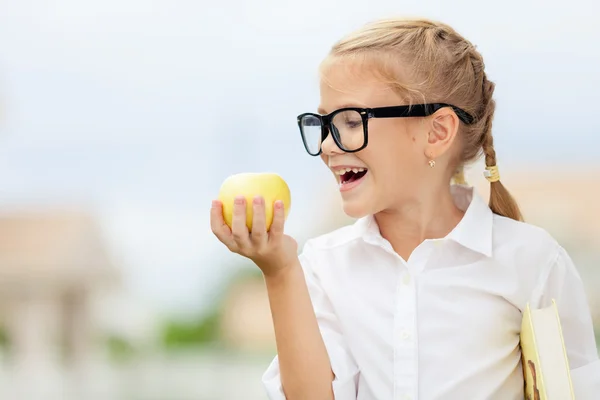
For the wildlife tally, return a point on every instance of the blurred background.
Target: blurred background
(121, 118)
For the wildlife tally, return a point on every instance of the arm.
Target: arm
(312, 360)
(565, 286)
(308, 335)
(303, 361)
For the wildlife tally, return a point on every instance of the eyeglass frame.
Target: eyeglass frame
(417, 110)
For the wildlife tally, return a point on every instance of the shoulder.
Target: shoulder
(524, 238)
(531, 252)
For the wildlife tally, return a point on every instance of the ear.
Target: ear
(443, 129)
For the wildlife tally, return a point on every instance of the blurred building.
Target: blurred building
(246, 322)
(52, 264)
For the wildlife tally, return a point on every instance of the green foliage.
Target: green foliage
(205, 330)
(119, 349)
(193, 333)
(3, 338)
(247, 273)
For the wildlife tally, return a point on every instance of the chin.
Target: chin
(355, 209)
(358, 202)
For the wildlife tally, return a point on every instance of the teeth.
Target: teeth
(344, 170)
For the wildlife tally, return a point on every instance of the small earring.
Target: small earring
(432, 163)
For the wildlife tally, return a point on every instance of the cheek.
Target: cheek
(394, 153)
(394, 160)
(401, 139)
(385, 150)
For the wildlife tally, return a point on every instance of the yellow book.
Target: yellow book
(544, 356)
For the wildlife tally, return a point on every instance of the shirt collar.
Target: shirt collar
(474, 231)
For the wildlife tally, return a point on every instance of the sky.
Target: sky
(138, 110)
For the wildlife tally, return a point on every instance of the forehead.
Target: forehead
(347, 83)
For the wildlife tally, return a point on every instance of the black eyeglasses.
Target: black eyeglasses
(349, 126)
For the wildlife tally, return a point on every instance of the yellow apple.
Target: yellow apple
(270, 186)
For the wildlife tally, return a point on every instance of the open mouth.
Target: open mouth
(349, 175)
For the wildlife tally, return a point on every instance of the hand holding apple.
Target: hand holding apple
(249, 218)
(271, 187)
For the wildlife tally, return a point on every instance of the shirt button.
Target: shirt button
(405, 335)
(406, 279)
(407, 397)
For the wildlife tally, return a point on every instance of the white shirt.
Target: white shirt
(445, 323)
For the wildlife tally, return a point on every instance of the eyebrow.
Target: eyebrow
(321, 111)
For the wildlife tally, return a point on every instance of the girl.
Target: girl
(422, 297)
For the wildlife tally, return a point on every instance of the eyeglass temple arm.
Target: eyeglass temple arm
(417, 110)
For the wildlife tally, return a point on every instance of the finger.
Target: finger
(276, 231)
(218, 225)
(239, 229)
(259, 224)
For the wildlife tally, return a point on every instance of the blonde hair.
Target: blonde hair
(443, 67)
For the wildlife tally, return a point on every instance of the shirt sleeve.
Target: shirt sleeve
(565, 286)
(345, 382)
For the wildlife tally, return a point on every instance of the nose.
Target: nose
(329, 147)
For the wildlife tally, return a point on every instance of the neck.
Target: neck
(408, 226)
